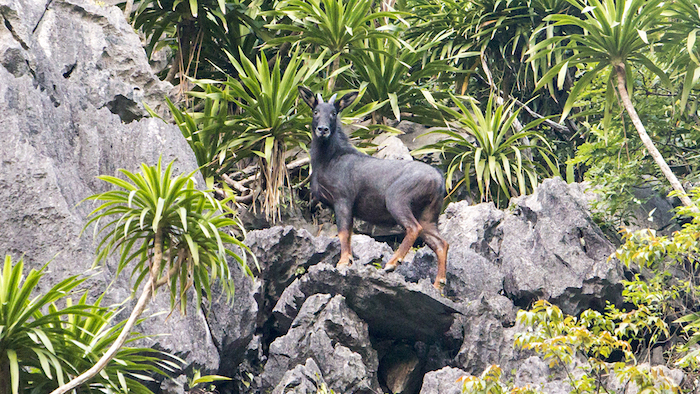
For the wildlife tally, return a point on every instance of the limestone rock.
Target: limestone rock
(327, 331)
(391, 307)
(443, 381)
(73, 83)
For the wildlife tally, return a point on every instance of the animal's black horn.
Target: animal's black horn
(332, 98)
(319, 97)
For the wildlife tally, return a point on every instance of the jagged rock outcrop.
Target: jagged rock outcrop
(443, 381)
(545, 246)
(335, 337)
(391, 307)
(495, 264)
(73, 83)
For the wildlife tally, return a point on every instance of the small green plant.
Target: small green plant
(489, 382)
(46, 338)
(491, 152)
(593, 337)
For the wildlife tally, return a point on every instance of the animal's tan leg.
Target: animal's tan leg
(439, 246)
(345, 248)
(441, 278)
(412, 234)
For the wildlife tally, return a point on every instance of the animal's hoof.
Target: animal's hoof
(440, 285)
(342, 265)
(390, 267)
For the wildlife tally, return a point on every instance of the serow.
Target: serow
(384, 192)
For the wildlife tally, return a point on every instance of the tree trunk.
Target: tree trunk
(334, 66)
(619, 70)
(146, 294)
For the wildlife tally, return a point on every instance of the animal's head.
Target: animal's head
(325, 115)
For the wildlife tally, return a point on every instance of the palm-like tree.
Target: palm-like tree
(30, 337)
(615, 33)
(169, 233)
(335, 25)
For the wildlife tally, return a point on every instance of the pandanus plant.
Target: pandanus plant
(168, 233)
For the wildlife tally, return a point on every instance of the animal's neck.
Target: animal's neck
(324, 150)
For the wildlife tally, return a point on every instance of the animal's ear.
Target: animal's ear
(345, 101)
(308, 96)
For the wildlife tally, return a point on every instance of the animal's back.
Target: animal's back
(378, 180)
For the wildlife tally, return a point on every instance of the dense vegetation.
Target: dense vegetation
(600, 81)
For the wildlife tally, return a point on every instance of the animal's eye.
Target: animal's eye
(333, 113)
(315, 112)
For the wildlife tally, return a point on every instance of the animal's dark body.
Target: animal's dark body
(408, 193)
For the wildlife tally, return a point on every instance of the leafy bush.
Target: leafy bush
(266, 129)
(43, 344)
(491, 152)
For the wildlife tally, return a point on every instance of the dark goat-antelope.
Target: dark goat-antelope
(389, 192)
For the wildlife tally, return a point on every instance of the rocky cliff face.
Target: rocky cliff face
(73, 82)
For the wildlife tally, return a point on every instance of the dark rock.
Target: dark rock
(391, 307)
(654, 211)
(400, 370)
(327, 331)
(285, 253)
(232, 326)
(443, 381)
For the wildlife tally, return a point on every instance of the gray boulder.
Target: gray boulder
(392, 148)
(443, 381)
(327, 331)
(550, 248)
(303, 379)
(391, 307)
(546, 246)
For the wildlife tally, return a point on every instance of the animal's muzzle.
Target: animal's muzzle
(323, 131)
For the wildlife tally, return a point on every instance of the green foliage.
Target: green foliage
(91, 336)
(593, 337)
(31, 340)
(335, 25)
(493, 153)
(490, 383)
(153, 210)
(614, 162)
(615, 32)
(207, 132)
(268, 126)
(197, 30)
(42, 343)
(394, 74)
